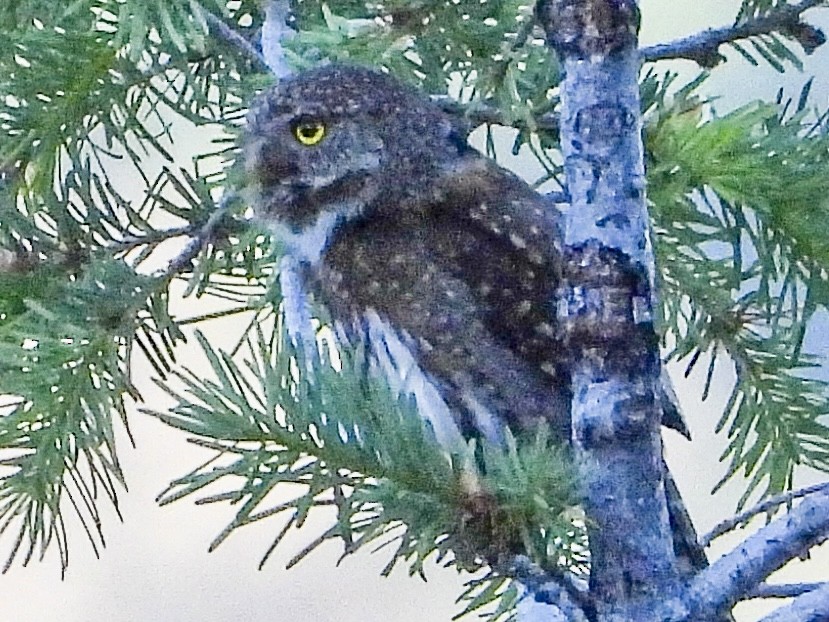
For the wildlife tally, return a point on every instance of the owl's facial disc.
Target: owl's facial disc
(311, 175)
(339, 143)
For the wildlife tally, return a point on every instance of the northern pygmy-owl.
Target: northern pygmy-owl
(444, 263)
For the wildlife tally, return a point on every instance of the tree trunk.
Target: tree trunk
(607, 306)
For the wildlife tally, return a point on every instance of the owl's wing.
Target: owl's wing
(426, 327)
(525, 227)
(503, 241)
(476, 193)
(467, 285)
(507, 252)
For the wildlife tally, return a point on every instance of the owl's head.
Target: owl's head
(340, 143)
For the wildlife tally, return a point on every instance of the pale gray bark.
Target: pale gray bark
(810, 607)
(275, 32)
(733, 576)
(607, 306)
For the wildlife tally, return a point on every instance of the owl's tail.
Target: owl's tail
(689, 553)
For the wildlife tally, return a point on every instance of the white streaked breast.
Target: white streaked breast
(391, 357)
(309, 243)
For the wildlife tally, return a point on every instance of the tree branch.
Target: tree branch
(810, 607)
(275, 32)
(154, 238)
(703, 47)
(202, 234)
(784, 590)
(737, 574)
(767, 505)
(480, 113)
(531, 609)
(563, 592)
(232, 36)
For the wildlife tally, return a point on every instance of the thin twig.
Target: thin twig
(233, 37)
(813, 605)
(153, 238)
(784, 590)
(202, 234)
(765, 506)
(703, 47)
(479, 113)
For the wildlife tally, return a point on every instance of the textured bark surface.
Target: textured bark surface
(606, 305)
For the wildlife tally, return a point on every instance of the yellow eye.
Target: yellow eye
(309, 133)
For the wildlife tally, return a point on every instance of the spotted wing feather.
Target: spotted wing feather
(470, 284)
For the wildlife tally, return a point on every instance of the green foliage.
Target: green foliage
(739, 203)
(65, 372)
(774, 47)
(757, 8)
(353, 447)
(488, 50)
(75, 304)
(739, 207)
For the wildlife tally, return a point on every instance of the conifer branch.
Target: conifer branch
(231, 36)
(765, 506)
(784, 590)
(813, 605)
(154, 238)
(203, 233)
(480, 113)
(703, 47)
(737, 574)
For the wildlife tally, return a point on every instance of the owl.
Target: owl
(442, 262)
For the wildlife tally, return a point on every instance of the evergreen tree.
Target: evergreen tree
(736, 203)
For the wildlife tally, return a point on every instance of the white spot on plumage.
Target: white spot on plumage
(545, 329)
(517, 241)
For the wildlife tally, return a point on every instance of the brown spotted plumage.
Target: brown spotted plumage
(443, 265)
(401, 225)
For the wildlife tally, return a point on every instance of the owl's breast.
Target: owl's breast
(434, 305)
(394, 357)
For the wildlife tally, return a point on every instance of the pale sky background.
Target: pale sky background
(156, 565)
